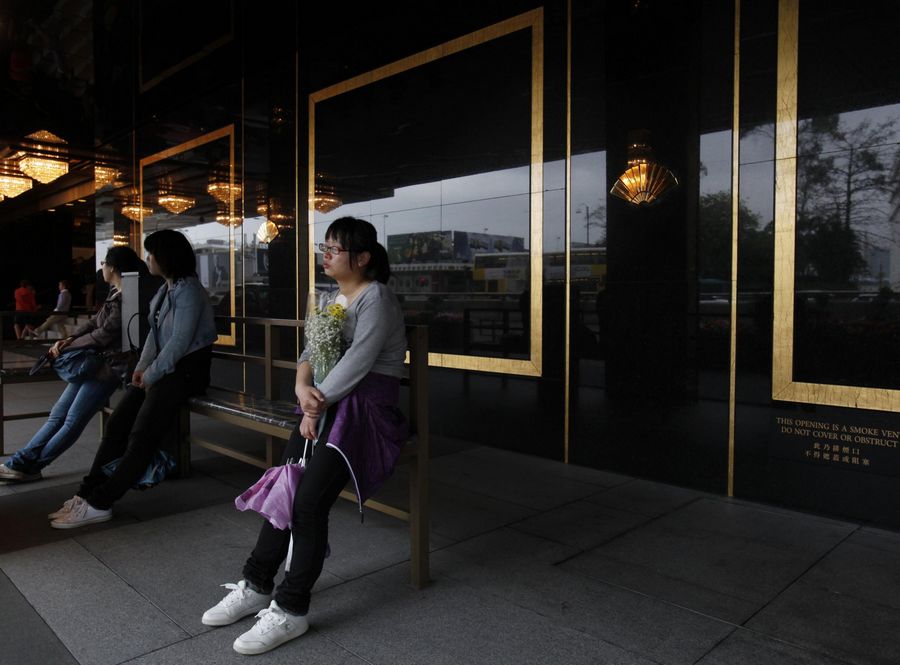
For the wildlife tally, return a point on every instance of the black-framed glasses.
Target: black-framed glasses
(330, 249)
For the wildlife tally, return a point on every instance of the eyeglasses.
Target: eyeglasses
(330, 249)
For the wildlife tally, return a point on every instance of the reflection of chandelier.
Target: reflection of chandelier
(325, 199)
(104, 175)
(133, 209)
(12, 183)
(225, 217)
(221, 188)
(176, 203)
(645, 181)
(120, 239)
(44, 164)
(267, 231)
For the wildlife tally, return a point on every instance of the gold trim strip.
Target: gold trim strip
(735, 212)
(784, 387)
(567, 235)
(534, 20)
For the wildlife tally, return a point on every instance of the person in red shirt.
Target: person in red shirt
(26, 306)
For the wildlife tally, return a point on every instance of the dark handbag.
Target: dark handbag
(78, 364)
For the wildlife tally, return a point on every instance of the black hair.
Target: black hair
(358, 235)
(124, 259)
(173, 253)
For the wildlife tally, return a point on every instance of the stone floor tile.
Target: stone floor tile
(24, 635)
(746, 647)
(645, 497)
(843, 627)
(87, 605)
(581, 524)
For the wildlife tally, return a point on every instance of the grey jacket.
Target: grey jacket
(104, 329)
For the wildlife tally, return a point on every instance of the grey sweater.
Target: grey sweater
(375, 336)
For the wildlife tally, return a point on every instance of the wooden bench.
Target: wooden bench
(18, 373)
(274, 416)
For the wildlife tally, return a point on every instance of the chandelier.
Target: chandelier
(120, 240)
(176, 203)
(12, 183)
(645, 181)
(221, 188)
(133, 210)
(45, 163)
(104, 175)
(225, 217)
(325, 199)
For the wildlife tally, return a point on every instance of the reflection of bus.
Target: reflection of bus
(501, 272)
(508, 272)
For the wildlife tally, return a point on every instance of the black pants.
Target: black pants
(138, 424)
(326, 475)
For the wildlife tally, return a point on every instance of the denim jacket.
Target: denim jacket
(185, 324)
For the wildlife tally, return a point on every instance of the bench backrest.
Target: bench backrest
(270, 360)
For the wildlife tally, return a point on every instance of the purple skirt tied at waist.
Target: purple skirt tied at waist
(369, 431)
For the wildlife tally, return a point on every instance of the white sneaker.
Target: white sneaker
(241, 602)
(66, 507)
(82, 514)
(274, 628)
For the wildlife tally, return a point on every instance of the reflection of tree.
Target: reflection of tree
(595, 218)
(842, 186)
(754, 240)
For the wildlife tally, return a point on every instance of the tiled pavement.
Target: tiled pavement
(532, 562)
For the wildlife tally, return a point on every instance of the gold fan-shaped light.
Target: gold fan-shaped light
(267, 231)
(645, 181)
(46, 161)
(12, 182)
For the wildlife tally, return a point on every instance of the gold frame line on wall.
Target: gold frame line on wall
(224, 132)
(735, 212)
(533, 20)
(784, 388)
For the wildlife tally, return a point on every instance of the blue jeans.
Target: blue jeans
(68, 418)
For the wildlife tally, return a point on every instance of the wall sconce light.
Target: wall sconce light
(267, 232)
(645, 180)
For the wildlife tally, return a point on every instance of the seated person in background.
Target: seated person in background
(26, 306)
(79, 401)
(57, 318)
(174, 365)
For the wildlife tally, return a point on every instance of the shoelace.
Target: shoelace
(268, 620)
(70, 504)
(237, 593)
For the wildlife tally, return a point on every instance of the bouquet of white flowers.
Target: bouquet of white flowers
(324, 339)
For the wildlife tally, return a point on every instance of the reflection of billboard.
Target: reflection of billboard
(437, 246)
(424, 247)
(467, 244)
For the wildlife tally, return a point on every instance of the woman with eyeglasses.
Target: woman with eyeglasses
(359, 430)
(174, 365)
(82, 398)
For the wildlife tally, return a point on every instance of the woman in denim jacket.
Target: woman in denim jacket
(174, 365)
(83, 398)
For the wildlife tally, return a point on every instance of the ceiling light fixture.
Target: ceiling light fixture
(45, 159)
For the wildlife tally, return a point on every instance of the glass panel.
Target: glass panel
(193, 188)
(847, 261)
(438, 158)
